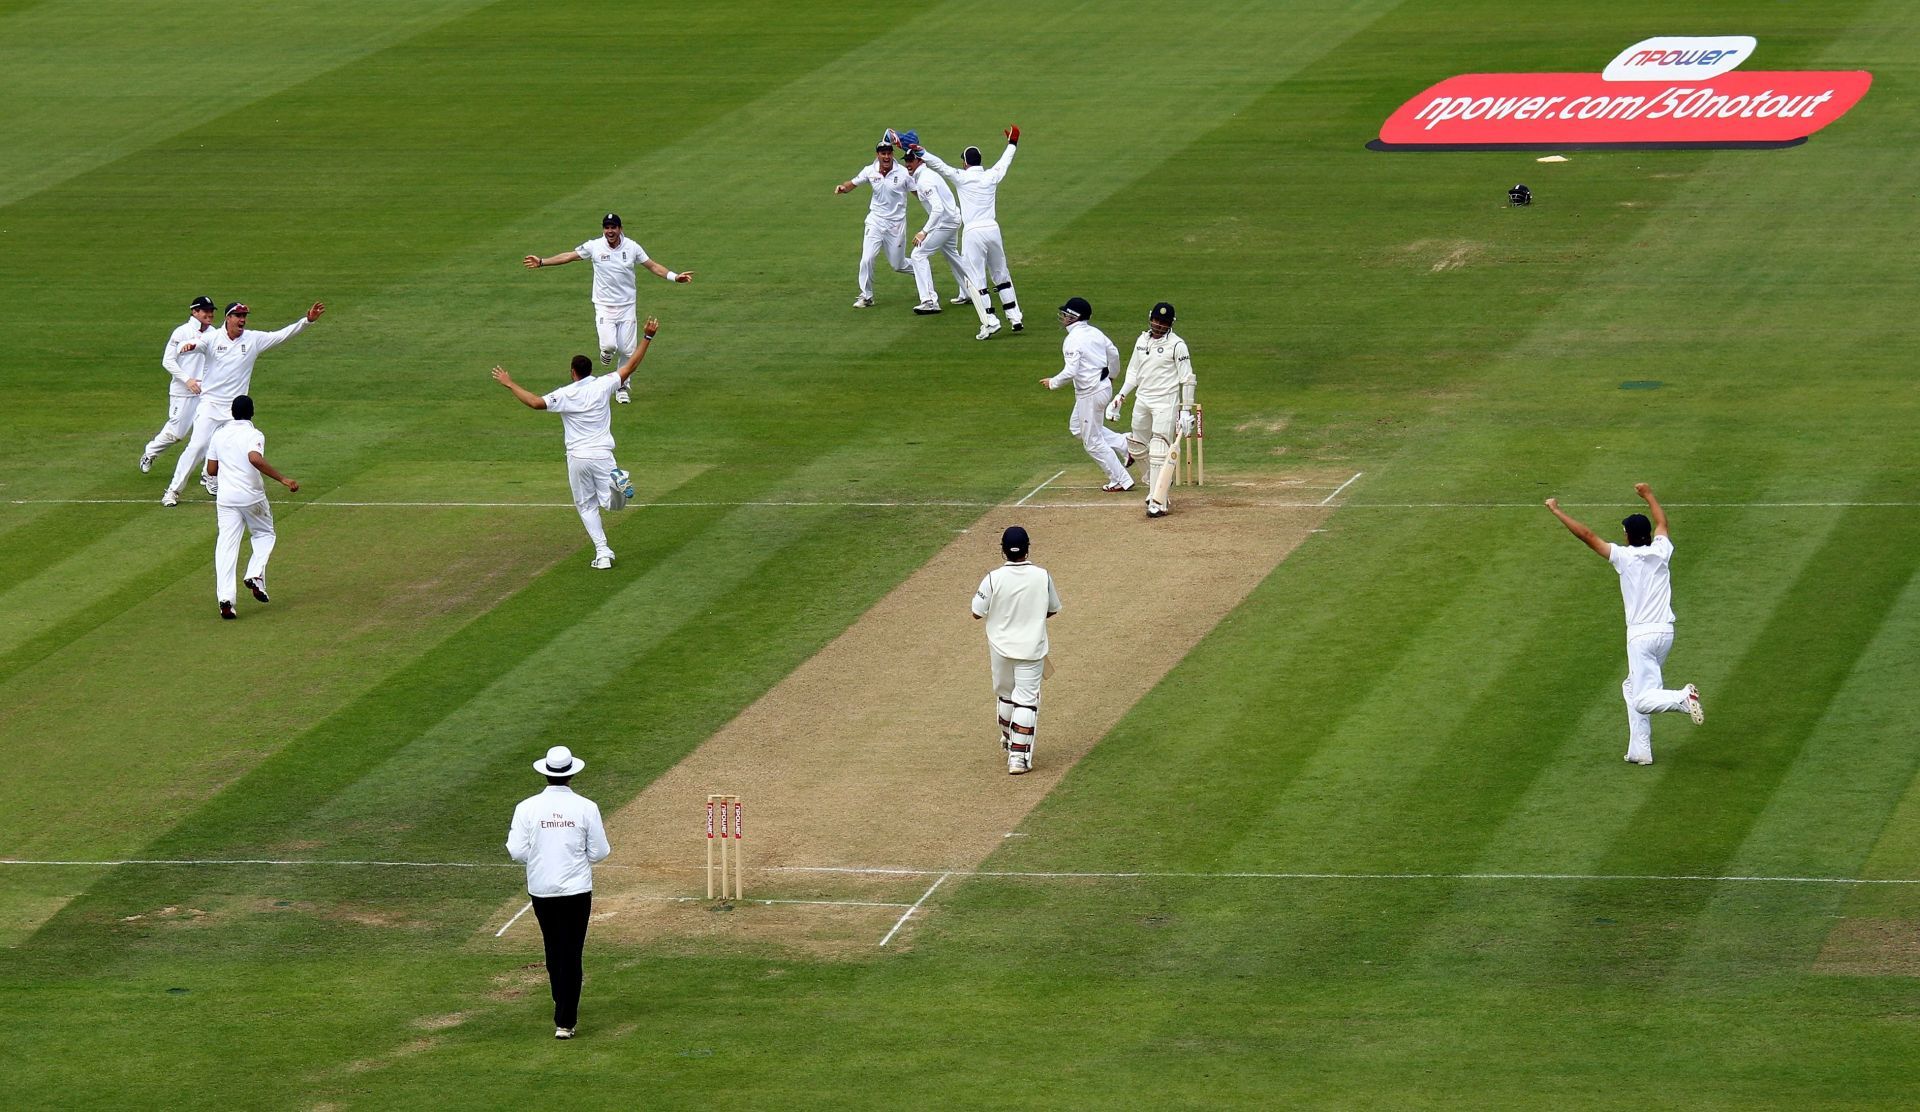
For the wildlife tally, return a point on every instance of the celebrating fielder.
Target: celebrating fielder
(183, 392)
(979, 188)
(886, 216)
(588, 420)
(1646, 587)
(942, 235)
(1160, 375)
(615, 293)
(1016, 599)
(227, 373)
(1090, 361)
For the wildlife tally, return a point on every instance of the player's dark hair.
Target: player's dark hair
(559, 781)
(1639, 530)
(243, 408)
(971, 156)
(582, 366)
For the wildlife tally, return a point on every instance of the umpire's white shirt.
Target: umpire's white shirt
(614, 287)
(558, 836)
(182, 367)
(1090, 358)
(1016, 599)
(585, 413)
(241, 483)
(228, 372)
(1646, 587)
(888, 206)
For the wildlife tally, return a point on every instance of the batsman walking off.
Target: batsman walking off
(1015, 600)
(1160, 376)
(1646, 587)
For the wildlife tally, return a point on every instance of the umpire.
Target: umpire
(558, 836)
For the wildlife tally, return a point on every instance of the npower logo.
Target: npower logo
(1671, 92)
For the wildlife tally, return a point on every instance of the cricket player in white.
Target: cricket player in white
(237, 457)
(886, 217)
(1091, 360)
(616, 294)
(1015, 600)
(587, 417)
(1160, 376)
(227, 373)
(941, 235)
(1646, 588)
(979, 190)
(183, 389)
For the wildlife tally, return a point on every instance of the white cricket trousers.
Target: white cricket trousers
(205, 424)
(179, 426)
(1016, 691)
(591, 478)
(986, 257)
(882, 236)
(1089, 424)
(1154, 419)
(619, 330)
(256, 521)
(1646, 655)
(945, 240)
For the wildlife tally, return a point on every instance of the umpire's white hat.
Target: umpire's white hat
(560, 762)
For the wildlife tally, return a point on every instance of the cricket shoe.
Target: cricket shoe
(602, 562)
(211, 484)
(926, 308)
(1693, 705)
(1155, 509)
(226, 611)
(988, 329)
(1019, 326)
(170, 498)
(622, 396)
(623, 482)
(563, 1032)
(958, 299)
(606, 357)
(146, 464)
(1632, 760)
(1018, 766)
(258, 585)
(1118, 488)
(863, 302)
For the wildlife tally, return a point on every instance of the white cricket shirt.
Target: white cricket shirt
(188, 366)
(978, 186)
(614, 286)
(241, 483)
(1158, 367)
(1016, 600)
(937, 199)
(1089, 357)
(228, 370)
(586, 414)
(558, 836)
(889, 203)
(1646, 587)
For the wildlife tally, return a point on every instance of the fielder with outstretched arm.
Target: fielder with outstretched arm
(616, 294)
(1160, 376)
(226, 373)
(587, 419)
(1015, 600)
(1090, 360)
(941, 235)
(979, 190)
(1646, 587)
(886, 228)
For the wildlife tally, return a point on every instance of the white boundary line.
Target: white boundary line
(1341, 487)
(1010, 874)
(1039, 488)
(908, 913)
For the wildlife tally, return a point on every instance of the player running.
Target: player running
(615, 293)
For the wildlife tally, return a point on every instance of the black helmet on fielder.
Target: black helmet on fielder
(1014, 543)
(1075, 309)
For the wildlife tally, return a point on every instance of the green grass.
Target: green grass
(1428, 686)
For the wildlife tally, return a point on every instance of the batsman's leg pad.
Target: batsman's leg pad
(1026, 723)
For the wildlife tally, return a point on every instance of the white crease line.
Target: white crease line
(1228, 501)
(1341, 487)
(515, 919)
(1039, 488)
(908, 913)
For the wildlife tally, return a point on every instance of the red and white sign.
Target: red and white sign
(1680, 58)
(1558, 110)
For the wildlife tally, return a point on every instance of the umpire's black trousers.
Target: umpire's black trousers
(563, 927)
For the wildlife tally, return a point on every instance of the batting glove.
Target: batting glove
(1186, 423)
(1113, 410)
